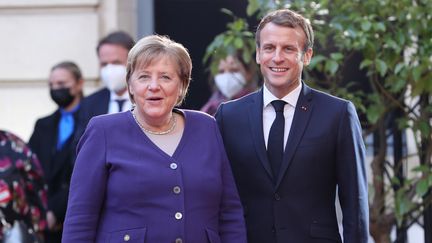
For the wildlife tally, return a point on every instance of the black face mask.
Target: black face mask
(62, 97)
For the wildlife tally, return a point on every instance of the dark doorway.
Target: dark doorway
(195, 23)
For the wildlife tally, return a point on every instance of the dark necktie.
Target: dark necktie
(276, 138)
(120, 103)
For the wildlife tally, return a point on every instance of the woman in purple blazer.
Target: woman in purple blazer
(156, 173)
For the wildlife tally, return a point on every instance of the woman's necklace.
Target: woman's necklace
(174, 123)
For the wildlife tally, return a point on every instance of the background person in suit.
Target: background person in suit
(155, 173)
(112, 51)
(52, 142)
(292, 148)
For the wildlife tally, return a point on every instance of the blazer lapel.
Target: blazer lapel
(51, 135)
(103, 105)
(302, 113)
(256, 121)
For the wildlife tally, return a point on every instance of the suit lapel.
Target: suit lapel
(256, 121)
(51, 135)
(105, 101)
(302, 113)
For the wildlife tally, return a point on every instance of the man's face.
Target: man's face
(112, 54)
(281, 57)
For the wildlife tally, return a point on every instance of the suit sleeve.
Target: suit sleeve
(231, 221)
(218, 116)
(57, 203)
(34, 139)
(352, 181)
(87, 189)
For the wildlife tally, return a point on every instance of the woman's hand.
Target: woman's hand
(51, 220)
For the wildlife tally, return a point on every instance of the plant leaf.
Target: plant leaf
(381, 66)
(331, 66)
(365, 63)
(366, 25)
(336, 56)
(399, 67)
(422, 187)
(315, 60)
(374, 112)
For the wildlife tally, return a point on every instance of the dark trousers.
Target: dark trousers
(53, 236)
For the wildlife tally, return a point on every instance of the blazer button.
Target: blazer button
(178, 215)
(126, 237)
(277, 197)
(178, 240)
(176, 190)
(173, 166)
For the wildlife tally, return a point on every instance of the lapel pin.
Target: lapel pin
(303, 108)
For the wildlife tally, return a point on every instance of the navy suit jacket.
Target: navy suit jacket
(324, 155)
(95, 104)
(56, 164)
(92, 105)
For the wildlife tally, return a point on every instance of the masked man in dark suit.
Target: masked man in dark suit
(112, 51)
(293, 148)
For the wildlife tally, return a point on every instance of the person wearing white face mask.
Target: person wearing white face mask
(230, 83)
(112, 52)
(113, 76)
(233, 80)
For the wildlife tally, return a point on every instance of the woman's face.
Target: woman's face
(63, 78)
(156, 88)
(231, 65)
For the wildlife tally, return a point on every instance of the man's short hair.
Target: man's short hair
(120, 38)
(290, 19)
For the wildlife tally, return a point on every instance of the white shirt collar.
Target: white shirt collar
(114, 96)
(290, 98)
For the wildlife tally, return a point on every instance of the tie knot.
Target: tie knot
(278, 105)
(120, 103)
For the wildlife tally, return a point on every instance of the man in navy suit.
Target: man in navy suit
(112, 51)
(292, 148)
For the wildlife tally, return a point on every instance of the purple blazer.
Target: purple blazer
(125, 189)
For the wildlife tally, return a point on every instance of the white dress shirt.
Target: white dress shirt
(113, 105)
(269, 113)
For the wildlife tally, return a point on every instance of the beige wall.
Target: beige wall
(36, 34)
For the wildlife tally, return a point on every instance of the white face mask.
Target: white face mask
(114, 77)
(230, 84)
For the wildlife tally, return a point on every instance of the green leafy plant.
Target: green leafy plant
(237, 39)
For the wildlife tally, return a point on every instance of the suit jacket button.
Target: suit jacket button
(277, 197)
(126, 237)
(173, 166)
(178, 215)
(176, 190)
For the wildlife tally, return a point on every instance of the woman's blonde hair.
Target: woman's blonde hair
(155, 47)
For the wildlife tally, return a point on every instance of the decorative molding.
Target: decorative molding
(25, 4)
(90, 82)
